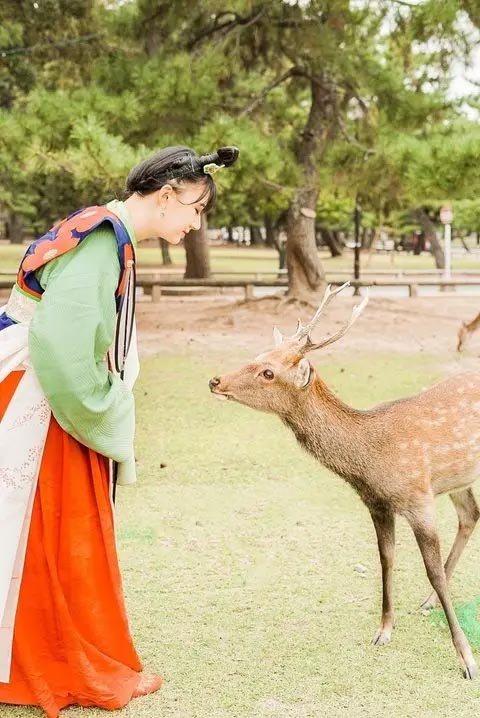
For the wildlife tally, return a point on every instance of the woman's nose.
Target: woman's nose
(214, 382)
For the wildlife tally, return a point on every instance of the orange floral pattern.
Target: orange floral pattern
(66, 235)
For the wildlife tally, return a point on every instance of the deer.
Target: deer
(398, 456)
(466, 330)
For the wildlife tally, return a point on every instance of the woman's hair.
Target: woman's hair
(176, 166)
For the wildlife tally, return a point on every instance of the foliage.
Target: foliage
(83, 99)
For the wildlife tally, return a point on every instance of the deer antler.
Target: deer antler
(309, 345)
(304, 331)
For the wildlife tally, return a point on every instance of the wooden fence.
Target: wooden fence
(154, 283)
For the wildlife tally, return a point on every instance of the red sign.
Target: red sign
(446, 215)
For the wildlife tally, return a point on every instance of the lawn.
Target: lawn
(251, 260)
(238, 555)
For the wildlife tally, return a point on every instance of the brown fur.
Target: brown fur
(397, 456)
(466, 330)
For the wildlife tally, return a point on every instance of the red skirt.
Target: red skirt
(72, 643)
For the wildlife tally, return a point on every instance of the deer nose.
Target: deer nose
(214, 382)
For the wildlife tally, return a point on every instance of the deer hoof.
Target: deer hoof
(470, 672)
(382, 637)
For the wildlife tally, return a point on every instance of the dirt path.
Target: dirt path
(215, 323)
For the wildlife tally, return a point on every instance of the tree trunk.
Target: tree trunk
(151, 30)
(14, 228)
(197, 253)
(270, 233)
(372, 233)
(464, 244)
(255, 235)
(364, 238)
(230, 234)
(305, 272)
(338, 237)
(164, 246)
(273, 239)
(331, 241)
(428, 229)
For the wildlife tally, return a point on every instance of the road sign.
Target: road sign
(446, 215)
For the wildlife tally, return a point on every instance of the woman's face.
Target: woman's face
(180, 211)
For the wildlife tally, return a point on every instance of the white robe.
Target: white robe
(23, 431)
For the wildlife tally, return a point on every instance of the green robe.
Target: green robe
(70, 334)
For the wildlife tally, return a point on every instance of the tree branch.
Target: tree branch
(268, 88)
(275, 185)
(226, 26)
(159, 12)
(411, 5)
(322, 115)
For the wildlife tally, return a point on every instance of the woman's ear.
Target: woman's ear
(164, 194)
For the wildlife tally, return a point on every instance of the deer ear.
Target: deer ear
(277, 337)
(303, 373)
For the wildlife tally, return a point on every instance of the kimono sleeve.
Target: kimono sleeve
(70, 334)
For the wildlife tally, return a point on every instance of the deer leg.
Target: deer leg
(384, 522)
(466, 330)
(423, 525)
(468, 515)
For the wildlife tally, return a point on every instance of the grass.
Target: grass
(238, 550)
(250, 260)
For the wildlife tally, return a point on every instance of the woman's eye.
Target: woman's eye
(267, 374)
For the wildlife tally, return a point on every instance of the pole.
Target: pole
(357, 218)
(447, 274)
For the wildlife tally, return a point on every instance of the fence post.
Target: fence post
(248, 292)
(156, 292)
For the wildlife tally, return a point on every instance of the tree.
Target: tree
(410, 149)
(329, 102)
(380, 77)
(288, 37)
(196, 248)
(165, 249)
(53, 43)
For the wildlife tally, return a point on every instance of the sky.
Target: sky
(461, 74)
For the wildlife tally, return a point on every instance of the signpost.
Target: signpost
(357, 218)
(446, 217)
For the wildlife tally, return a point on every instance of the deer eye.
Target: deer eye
(267, 373)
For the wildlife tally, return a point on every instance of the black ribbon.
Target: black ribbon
(123, 338)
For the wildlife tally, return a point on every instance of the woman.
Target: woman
(67, 366)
